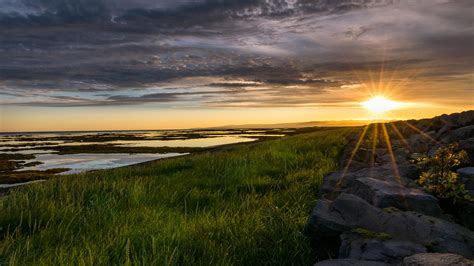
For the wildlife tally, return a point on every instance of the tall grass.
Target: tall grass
(244, 206)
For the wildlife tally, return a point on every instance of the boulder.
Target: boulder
(334, 183)
(387, 159)
(419, 143)
(354, 165)
(384, 194)
(444, 131)
(468, 146)
(341, 181)
(466, 118)
(410, 171)
(459, 134)
(349, 262)
(466, 215)
(363, 155)
(330, 219)
(466, 172)
(376, 249)
(437, 259)
(451, 119)
(466, 176)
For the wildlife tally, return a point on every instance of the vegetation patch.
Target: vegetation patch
(371, 234)
(439, 177)
(391, 209)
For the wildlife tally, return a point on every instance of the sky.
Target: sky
(150, 64)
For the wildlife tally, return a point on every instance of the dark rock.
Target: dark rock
(349, 262)
(341, 181)
(330, 219)
(373, 249)
(466, 118)
(468, 146)
(466, 172)
(433, 150)
(437, 259)
(363, 155)
(410, 171)
(451, 119)
(334, 183)
(444, 131)
(466, 214)
(354, 165)
(466, 176)
(387, 159)
(419, 143)
(384, 194)
(459, 134)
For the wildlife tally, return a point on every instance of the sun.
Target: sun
(379, 105)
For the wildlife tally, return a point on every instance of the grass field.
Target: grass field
(242, 206)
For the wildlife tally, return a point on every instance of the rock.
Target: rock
(433, 150)
(437, 259)
(334, 183)
(459, 134)
(466, 172)
(387, 159)
(354, 165)
(340, 181)
(419, 143)
(373, 249)
(363, 155)
(410, 171)
(384, 194)
(330, 219)
(466, 118)
(451, 119)
(468, 146)
(466, 215)
(349, 262)
(466, 176)
(444, 131)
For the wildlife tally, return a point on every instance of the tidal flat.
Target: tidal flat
(26, 157)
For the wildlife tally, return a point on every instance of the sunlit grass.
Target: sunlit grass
(245, 206)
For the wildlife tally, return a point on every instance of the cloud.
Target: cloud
(167, 13)
(260, 52)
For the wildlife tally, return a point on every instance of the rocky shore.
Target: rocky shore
(372, 212)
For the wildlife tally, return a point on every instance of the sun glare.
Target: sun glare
(380, 105)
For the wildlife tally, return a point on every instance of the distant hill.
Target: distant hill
(342, 123)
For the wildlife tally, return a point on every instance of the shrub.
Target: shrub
(438, 176)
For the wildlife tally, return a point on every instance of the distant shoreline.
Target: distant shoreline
(340, 123)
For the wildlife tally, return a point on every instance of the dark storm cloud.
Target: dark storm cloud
(66, 11)
(295, 49)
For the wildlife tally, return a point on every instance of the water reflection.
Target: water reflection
(45, 146)
(84, 162)
(199, 142)
(19, 184)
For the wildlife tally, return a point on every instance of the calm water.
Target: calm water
(85, 161)
(90, 161)
(199, 142)
(20, 184)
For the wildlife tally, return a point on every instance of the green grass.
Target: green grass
(244, 206)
